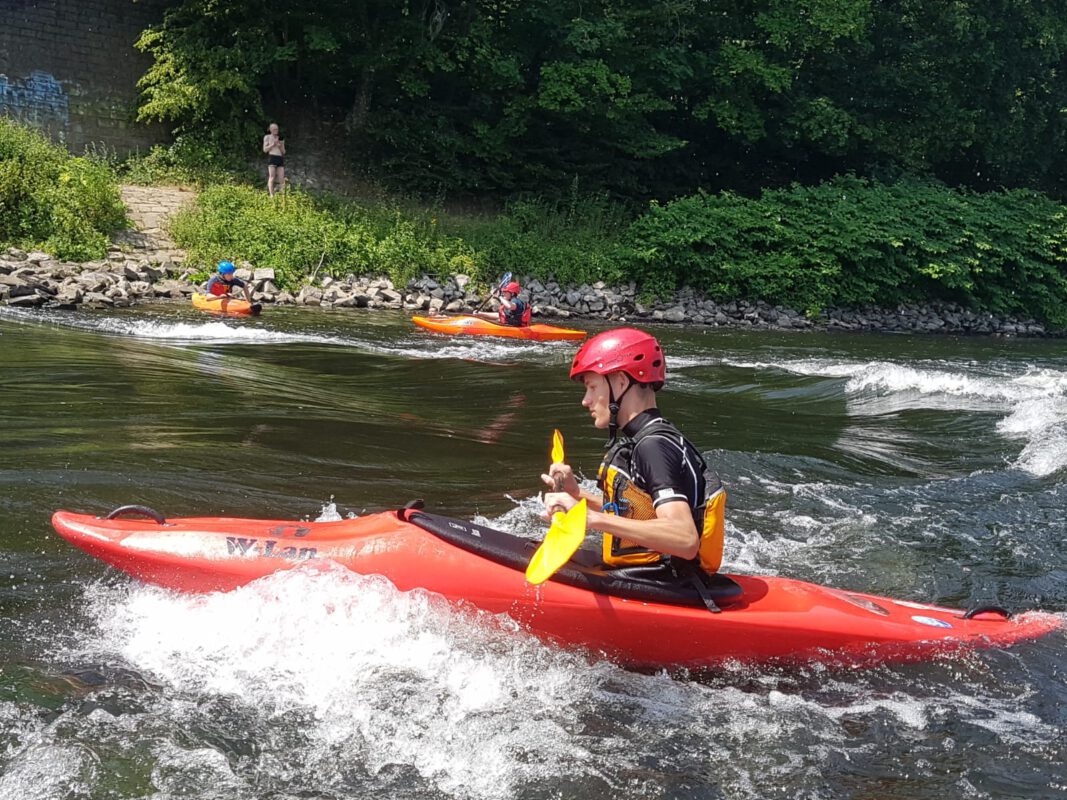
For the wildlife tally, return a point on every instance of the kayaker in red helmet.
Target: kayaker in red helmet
(658, 496)
(513, 311)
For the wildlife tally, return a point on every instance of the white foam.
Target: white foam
(178, 768)
(1042, 425)
(44, 770)
(1034, 401)
(215, 332)
(329, 513)
(477, 348)
(389, 677)
(180, 333)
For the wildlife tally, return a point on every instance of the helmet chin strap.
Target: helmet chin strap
(613, 407)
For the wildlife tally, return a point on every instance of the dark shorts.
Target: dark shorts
(276, 161)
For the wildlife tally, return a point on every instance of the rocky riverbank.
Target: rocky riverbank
(32, 280)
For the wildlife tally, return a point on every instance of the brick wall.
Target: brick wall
(70, 68)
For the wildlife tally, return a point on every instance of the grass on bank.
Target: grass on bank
(297, 234)
(67, 206)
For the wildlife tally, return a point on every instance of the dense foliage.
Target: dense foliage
(848, 242)
(67, 206)
(649, 98)
(187, 161)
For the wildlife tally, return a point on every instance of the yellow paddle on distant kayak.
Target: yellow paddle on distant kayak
(565, 534)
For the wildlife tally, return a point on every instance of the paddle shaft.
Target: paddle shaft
(557, 486)
(486, 300)
(503, 282)
(566, 531)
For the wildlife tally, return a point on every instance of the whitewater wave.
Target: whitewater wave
(365, 673)
(1033, 402)
(179, 333)
(484, 349)
(317, 680)
(257, 332)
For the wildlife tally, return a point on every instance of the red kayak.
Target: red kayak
(477, 326)
(639, 616)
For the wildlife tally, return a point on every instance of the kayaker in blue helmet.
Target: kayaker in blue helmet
(657, 495)
(222, 282)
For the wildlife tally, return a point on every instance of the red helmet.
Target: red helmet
(512, 287)
(628, 350)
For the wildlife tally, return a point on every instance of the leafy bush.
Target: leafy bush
(851, 242)
(293, 232)
(65, 205)
(189, 160)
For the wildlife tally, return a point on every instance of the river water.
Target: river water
(929, 469)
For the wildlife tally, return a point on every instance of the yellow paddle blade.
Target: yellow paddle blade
(564, 536)
(557, 447)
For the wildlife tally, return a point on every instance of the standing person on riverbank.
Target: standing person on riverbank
(659, 502)
(274, 147)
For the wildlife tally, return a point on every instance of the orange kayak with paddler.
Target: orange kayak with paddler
(469, 325)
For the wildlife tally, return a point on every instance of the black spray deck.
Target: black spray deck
(585, 570)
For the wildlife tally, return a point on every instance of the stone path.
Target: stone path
(150, 207)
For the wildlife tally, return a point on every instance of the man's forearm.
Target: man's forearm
(673, 536)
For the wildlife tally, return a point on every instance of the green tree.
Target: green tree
(645, 98)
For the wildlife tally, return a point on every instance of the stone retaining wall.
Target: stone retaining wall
(35, 279)
(69, 68)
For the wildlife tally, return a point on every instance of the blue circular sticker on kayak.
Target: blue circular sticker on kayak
(933, 623)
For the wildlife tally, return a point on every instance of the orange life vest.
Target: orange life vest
(624, 497)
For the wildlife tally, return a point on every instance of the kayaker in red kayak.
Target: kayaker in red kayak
(658, 496)
(224, 281)
(513, 311)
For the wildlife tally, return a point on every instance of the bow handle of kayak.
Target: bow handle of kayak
(137, 511)
(410, 506)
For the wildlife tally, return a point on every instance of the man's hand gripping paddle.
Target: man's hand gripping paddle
(565, 534)
(503, 282)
